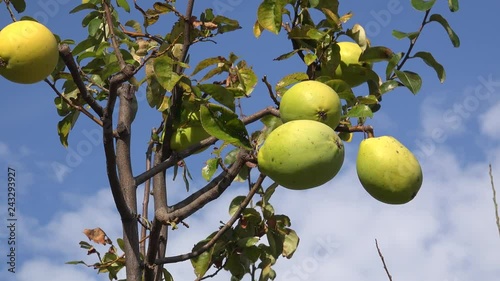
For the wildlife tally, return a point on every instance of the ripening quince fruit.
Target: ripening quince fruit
(301, 154)
(311, 100)
(350, 69)
(28, 52)
(387, 170)
(188, 133)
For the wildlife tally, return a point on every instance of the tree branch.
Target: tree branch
(133, 262)
(221, 231)
(69, 61)
(210, 192)
(383, 261)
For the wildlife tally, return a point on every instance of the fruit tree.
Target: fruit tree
(295, 140)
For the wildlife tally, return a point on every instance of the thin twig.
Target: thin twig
(7, 4)
(145, 200)
(495, 200)
(270, 89)
(219, 233)
(412, 43)
(70, 103)
(383, 261)
(114, 42)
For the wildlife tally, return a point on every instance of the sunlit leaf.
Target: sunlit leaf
(392, 64)
(388, 86)
(360, 110)
(290, 243)
(164, 70)
(210, 168)
(219, 93)
(270, 16)
(201, 263)
(411, 80)
(65, 125)
(400, 35)
(224, 124)
(235, 204)
(257, 29)
(376, 54)
(453, 5)
(123, 4)
(288, 80)
(310, 58)
(422, 5)
(343, 90)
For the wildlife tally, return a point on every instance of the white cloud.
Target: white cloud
(44, 269)
(488, 122)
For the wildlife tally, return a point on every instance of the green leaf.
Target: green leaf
(83, 7)
(164, 70)
(275, 240)
(202, 263)
(290, 243)
(224, 124)
(234, 266)
(235, 204)
(422, 5)
(411, 80)
(19, 5)
(247, 80)
(206, 63)
(286, 81)
(289, 54)
(167, 276)
(210, 168)
(62, 107)
(270, 16)
(123, 4)
(370, 99)
(64, 126)
(121, 243)
(376, 54)
(392, 64)
(219, 93)
(400, 35)
(360, 110)
(247, 241)
(75, 262)
(453, 36)
(331, 17)
(94, 26)
(388, 86)
(84, 45)
(430, 61)
(343, 90)
(310, 58)
(453, 5)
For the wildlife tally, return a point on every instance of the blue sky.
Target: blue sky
(447, 233)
